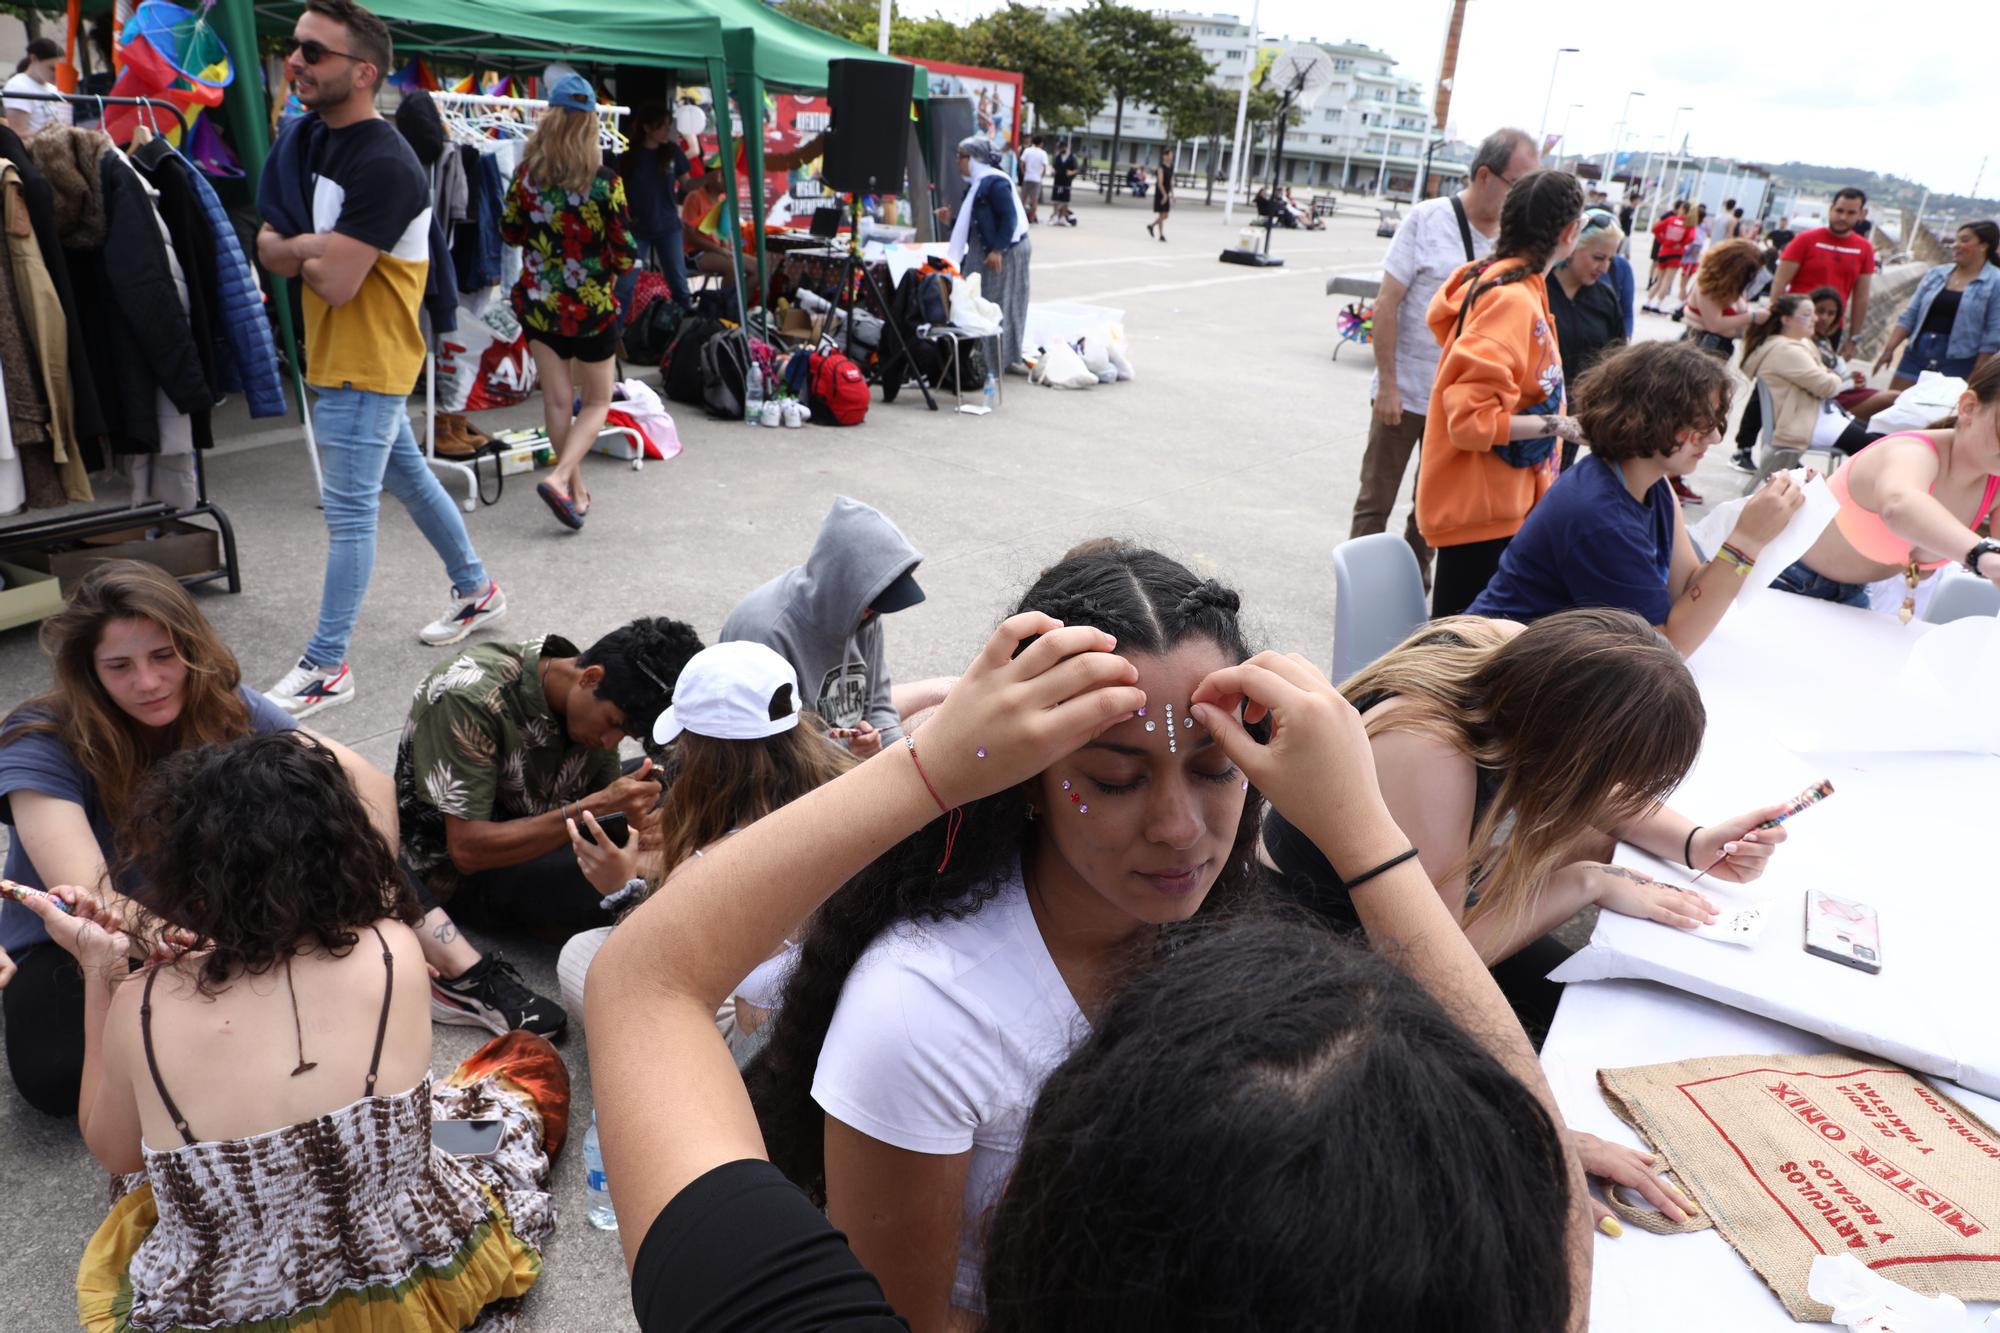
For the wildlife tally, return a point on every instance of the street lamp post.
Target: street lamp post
(1618, 137)
(1236, 153)
(1542, 135)
(1574, 107)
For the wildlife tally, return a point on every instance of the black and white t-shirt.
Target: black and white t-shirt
(368, 184)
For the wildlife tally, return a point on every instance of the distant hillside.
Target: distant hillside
(1884, 189)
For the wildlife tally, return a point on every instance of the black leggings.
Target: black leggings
(1463, 573)
(547, 897)
(44, 1008)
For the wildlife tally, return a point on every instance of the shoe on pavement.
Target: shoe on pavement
(1742, 461)
(306, 689)
(1686, 494)
(490, 994)
(464, 615)
(562, 506)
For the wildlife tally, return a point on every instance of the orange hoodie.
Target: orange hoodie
(1506, 362)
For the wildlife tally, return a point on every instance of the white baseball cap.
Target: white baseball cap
(737, 691)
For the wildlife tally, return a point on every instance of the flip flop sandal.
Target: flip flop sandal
(559, 504)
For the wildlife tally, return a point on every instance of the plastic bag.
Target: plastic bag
(484, 362)
(1062, 368)
(970, 310)
(1119, 348)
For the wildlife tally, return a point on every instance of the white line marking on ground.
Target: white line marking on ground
(1253, 275)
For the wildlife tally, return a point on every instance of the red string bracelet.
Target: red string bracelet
(953, 815)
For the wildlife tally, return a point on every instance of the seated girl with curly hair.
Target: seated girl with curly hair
(1609, 533)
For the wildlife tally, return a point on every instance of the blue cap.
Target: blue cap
(572, 93)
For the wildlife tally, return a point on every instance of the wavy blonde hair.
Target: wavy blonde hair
(563, 153)
(1590, 717)
(107, 743)
(723, 785)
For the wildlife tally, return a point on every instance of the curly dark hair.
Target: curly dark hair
(257, 844)
(1638, 399)
(641, 662)
(1270, 1097)
(1540, 207)
(1151, 603)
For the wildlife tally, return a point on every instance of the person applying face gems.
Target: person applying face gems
(1280, 1048)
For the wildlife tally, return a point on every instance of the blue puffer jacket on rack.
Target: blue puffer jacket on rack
(247, 355)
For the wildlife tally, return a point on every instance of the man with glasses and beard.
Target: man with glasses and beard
(1436, 238)
(346, 210)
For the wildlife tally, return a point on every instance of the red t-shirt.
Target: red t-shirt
(1672, 232)
(1826, 260)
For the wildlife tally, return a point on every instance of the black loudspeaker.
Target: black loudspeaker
(870, 127)
(950, 121)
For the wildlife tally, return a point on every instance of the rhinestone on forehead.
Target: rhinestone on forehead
(1173, 742)
(1149, 726)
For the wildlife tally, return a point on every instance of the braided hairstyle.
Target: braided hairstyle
(1152, 604)
(1540, 207)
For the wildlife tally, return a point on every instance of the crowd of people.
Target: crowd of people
(897, 994)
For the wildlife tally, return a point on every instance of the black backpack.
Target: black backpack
(725, 369)
(680, 370)
(648, 336)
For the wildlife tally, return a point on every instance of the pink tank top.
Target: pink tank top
(1867, 533)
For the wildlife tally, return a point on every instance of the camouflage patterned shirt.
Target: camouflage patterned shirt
(482, 743)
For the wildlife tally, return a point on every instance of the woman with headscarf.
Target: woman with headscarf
(989, 230)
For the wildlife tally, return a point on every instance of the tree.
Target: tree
(1203, 111)
(1140, 57)
(1051, 55)
(857, 20)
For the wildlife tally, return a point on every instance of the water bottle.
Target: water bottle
(753, 394)
(992, 395)
(597, 1190)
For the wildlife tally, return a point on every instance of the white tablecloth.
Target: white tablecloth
(1912, 835)
(1672, 1284)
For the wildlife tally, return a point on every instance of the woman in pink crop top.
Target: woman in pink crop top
(1911, 503)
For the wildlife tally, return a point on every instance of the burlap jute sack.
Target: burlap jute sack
(1792, 1157)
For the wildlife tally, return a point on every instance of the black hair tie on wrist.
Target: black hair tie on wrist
(1687, 848)
(1382, 869)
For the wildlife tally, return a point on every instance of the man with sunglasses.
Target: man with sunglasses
(347, 211)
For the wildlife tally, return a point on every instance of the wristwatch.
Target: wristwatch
(1984, 546)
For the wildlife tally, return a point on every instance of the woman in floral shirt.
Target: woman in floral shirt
(566, 211)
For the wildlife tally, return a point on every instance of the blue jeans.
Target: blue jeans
(1804, 582)
(1927, 352)
(365, 443)
(665, 255)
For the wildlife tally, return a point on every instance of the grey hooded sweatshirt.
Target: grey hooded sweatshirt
(811, 616)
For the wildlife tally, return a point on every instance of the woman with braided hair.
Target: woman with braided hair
(941, 985)
(1497, 406)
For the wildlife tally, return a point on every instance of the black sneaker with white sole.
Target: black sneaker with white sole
(1742, 461)
(490, 994)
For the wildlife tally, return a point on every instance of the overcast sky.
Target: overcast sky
(1840, 81)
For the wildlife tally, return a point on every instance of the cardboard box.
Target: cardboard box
(30, 595)
(180, 549)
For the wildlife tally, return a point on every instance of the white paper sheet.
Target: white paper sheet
(1808, 522)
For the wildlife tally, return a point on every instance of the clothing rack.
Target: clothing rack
(46, 534)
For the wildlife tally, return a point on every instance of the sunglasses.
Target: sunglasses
(312, 52)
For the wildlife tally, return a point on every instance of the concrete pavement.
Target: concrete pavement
(1236, 449)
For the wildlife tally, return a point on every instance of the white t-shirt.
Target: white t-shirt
(38, 113)
(1034, 162)
(943, 1037)
(1428, 248)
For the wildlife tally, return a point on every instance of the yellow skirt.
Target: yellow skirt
(492, 1265)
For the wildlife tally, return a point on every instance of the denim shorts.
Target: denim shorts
(1796, 578)
(1927, 352)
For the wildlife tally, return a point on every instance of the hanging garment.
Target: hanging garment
(247, 355)
(13, 488)
(191, 252)
(137, 335)
(169, 474)
(39, 321)
(85, 414)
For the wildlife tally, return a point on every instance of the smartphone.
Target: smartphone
(615, 825)
(1844, 931)
(467, 1138)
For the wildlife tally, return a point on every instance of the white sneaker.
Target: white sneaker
(795, 414)
(306, 688)
(772, 413)
(464, 615)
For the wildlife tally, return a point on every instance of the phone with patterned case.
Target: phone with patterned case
(1844, 931)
